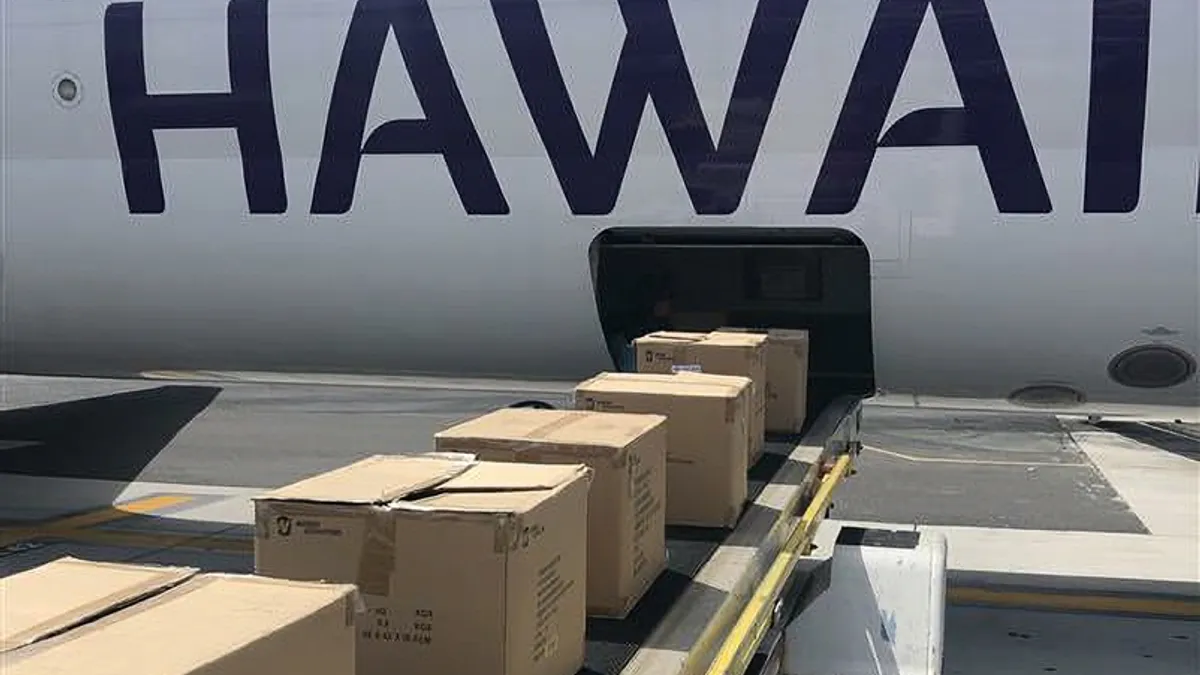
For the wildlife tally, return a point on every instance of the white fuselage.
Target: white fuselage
(979, 287)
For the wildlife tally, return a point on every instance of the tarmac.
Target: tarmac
(1060, 532)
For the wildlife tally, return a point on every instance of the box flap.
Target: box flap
(568, 427)
(788, 335)
(185, 629)
(734, 338)
(449, 454)
(375, 480)
(780, 334)
(422, 482)
(507, 477)
(60, 595)
(749, 339)
(734, 381)
(499, 487)
(673, 336)
(675, 384)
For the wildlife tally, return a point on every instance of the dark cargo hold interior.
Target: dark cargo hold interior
(805, 278)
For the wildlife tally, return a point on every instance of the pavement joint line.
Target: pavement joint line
(212, 541)
(77, 522)
(975, 462)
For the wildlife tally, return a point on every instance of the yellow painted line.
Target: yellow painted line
(1100, 604)
(136, 507)
(739, 646)
(80, 521)
(972, 462)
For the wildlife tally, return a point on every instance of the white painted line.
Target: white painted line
(656, 660)
(726, 569)
(973, 462)
(1161, 487)
(1055, 553)
(775, 496)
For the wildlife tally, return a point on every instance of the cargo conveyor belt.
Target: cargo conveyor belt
(704, 615)
(719, 585)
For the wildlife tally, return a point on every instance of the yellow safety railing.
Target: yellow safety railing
(739, 646)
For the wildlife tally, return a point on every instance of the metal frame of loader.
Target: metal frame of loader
(754, 645)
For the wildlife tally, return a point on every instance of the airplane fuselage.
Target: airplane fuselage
(412, 185)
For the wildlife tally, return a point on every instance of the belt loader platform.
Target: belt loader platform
(725, 602)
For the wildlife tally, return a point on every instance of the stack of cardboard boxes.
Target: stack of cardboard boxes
(786, 379)
(717, 353)
(626, 536)
(484, 556)
(706, 440)
(465, 566)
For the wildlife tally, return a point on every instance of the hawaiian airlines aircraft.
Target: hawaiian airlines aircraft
(984, 199)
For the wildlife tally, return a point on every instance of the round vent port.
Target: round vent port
(1152, 367)
(1047, 396)
(67, 90)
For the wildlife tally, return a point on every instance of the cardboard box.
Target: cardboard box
(465, 567)
(115, 619)
(730, 353)
(787, 378)
(707, 416)
(627, 547)
(66, 593)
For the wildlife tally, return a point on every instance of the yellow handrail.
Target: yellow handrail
(739, 646)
